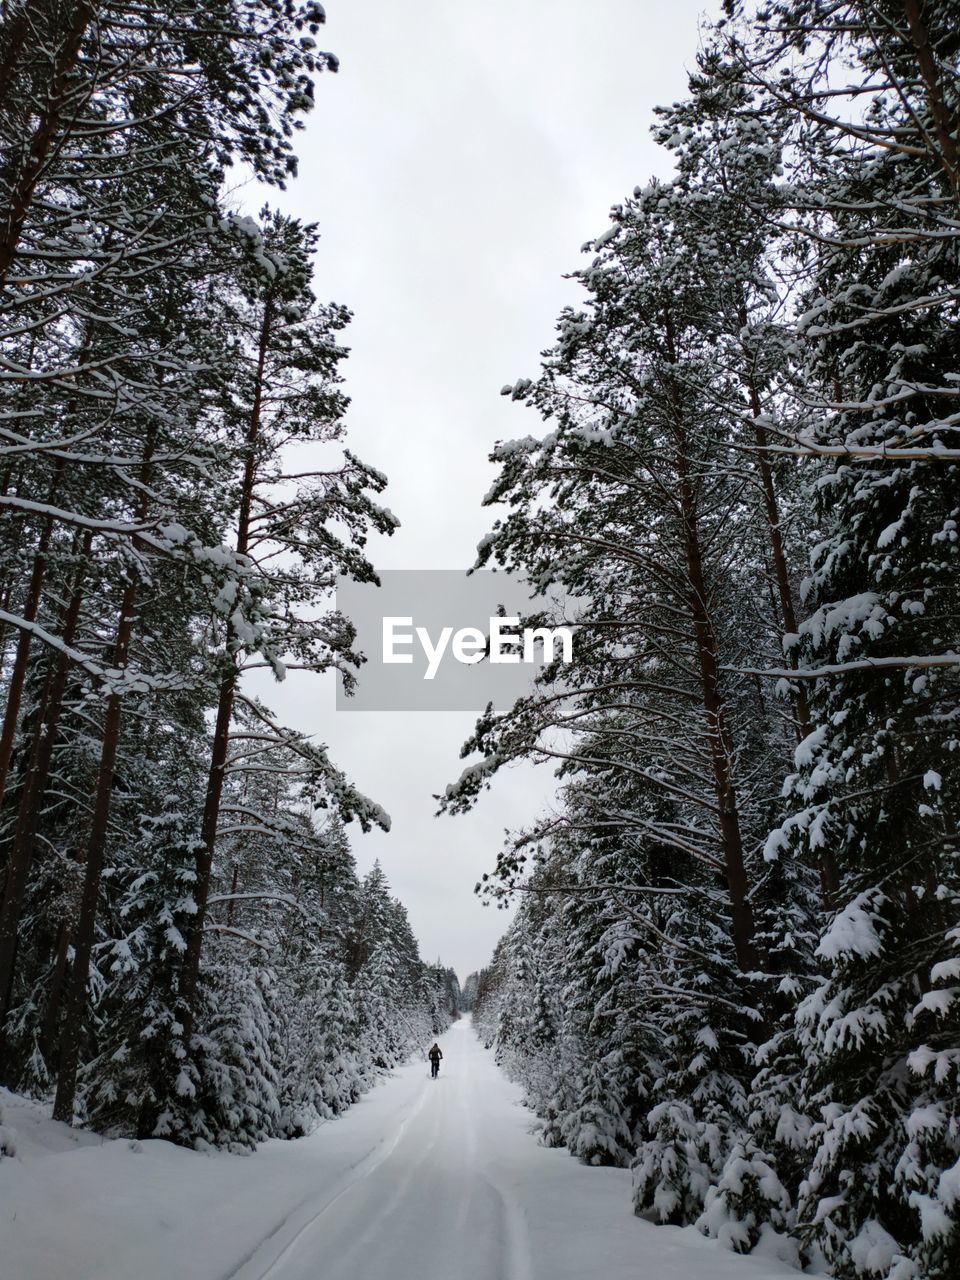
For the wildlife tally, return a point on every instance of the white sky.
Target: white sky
(455, 166)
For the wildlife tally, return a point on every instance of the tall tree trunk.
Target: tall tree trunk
(34, 594)
(781, 571)
(826, 862)
(945, 125)
(718, 735)
(5, 595)
(31, 800)
(778, 555)
(12, 474)
(43, 139)
(51, 1015)
(233, 892)
(228, 685)
(31, 607)
(17, 27)
(85, 931)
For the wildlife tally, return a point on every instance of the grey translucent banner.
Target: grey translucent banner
(439, 640)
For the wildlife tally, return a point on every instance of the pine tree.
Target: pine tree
(873, 781)
(176, 927)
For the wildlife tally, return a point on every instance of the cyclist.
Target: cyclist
(434, 1055)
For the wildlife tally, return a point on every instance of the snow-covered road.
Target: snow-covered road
(421, 1180)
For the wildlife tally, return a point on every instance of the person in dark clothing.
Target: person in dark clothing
(434, 1055)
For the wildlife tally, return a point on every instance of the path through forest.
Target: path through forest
(421, 1180)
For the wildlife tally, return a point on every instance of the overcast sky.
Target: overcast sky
(455, 166)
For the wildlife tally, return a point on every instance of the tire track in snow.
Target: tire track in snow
(448, 1172)
(364, 1169)
(376, 1223)
(516, 1261)
(468, 1114)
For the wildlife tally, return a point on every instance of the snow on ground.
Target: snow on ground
(421, 1180)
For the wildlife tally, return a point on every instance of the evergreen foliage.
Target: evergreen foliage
(179, 907)
(748, 488)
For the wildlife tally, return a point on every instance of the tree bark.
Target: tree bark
(233, 889)
(85, 931)
(221, 735)
(16, 35)
(51, 1015)
(719, 737)
(34, 787)
(826, 862)
(18, 675)
(944, 126)
(718, 730)
(42, 142)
